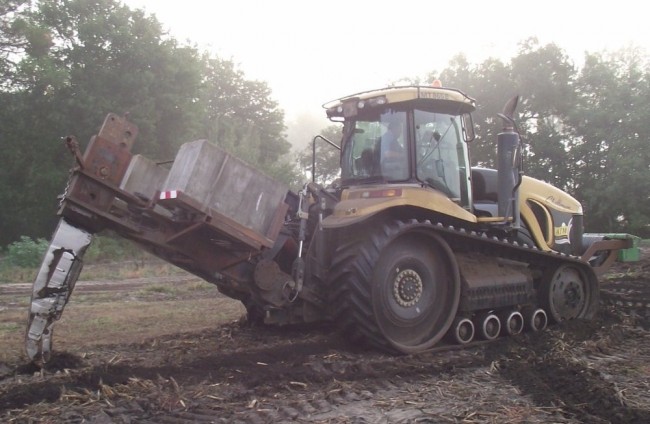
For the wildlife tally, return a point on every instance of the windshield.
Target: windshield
(439, 151)
(376, 148)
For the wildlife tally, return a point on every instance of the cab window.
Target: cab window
(440, 155)
(376, 148)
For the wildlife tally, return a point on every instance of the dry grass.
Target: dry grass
(143, 268)
(17, 275)
(133, 321)
(120, 316)
(132, 269)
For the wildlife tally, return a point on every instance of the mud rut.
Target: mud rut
(583, 371)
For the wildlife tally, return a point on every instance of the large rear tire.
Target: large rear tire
(398, 288)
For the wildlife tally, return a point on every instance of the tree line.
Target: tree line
(65, 63)
(585, 128)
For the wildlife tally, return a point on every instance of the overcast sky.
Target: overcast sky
(310, 52)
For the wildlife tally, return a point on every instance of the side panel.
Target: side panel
(360, 203)
(548, 213)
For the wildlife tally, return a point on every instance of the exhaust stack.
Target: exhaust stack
(509, 164)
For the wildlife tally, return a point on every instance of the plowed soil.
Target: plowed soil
(595, 371)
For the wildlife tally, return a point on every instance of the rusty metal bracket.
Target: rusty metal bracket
(611, 247)
(73, 145)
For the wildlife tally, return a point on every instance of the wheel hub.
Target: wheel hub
(572, 295)
(568, 294)
(407, 288)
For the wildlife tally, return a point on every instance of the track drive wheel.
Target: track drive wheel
(569, 292)
(399, 289)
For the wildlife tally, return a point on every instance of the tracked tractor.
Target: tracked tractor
(411, 249)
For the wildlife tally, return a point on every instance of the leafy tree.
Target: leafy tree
(612, 148)
(541, 75)
(241, 116)
(98, 60)
(15, 37)
(490, 84)
(119, 60)
(544, 76)
(84, 58)
(327, 157)
(585, 130)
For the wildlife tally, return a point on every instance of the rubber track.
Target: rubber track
(354, 260)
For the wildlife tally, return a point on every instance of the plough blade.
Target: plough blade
(53, 286)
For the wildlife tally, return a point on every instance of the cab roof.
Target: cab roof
(350, 105)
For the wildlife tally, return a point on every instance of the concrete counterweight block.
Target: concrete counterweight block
(226, 184)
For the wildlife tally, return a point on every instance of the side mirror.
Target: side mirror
(468, 127)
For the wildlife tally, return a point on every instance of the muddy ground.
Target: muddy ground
(594, 371)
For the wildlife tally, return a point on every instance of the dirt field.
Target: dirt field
(222, 370)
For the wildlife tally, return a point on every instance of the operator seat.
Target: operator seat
(484, 203)
(478, 186)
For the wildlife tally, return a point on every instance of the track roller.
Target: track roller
(462, 330)
(488, 324)
(536, 319)
(513, 323)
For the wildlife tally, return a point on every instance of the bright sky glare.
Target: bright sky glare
(311, 52)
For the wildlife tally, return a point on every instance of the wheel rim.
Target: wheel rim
(463, 331)
(568, 297)
(538, 320)
(491, 327)
(514, 323)
(416, 293)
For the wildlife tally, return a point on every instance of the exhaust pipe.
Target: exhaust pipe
(509, 165)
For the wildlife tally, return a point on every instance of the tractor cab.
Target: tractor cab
(409, 136)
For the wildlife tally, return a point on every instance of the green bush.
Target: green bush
(26, 253)
(111, 248)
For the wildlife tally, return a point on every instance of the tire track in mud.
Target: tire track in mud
(236, 373)
(631, 294)
(327, 389)
(319, 372)
(574, 374)
(580, 391)
(561, 370)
